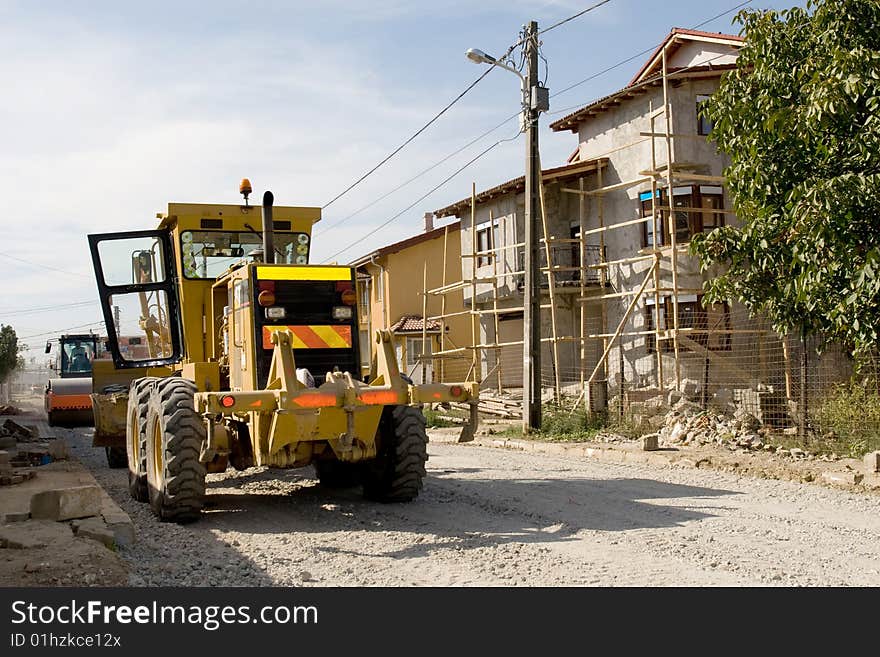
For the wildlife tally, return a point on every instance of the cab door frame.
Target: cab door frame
(169, 285)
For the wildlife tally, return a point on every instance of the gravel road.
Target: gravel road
(490, 517)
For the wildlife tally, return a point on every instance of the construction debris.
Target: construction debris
(687, 424)
(8, 475)
(67, 503)
(20, 433)
(6, 409)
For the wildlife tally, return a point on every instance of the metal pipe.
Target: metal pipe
(381, 290)
(268, 237)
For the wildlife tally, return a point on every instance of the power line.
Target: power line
(61, 330)
(507, 120)
(437, 116)
(418, 175)
(419, 200)
(37, 264)
(577, 15)
(637, 55)
(28, 311)
(410, 139)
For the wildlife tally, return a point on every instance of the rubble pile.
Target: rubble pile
(688, 424)
(12, 433)
(8, 475)
(6, 409)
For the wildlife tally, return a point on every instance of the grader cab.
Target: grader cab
(250, 360)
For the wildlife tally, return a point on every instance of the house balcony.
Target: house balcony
(568, 267)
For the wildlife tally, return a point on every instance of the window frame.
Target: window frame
(704, 125)
(700, 321)
(695, 218)
(486, 232)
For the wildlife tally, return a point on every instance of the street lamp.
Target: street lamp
(534, 101)
(479, 57)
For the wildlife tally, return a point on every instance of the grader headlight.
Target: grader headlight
(275, 312)
(342, 312)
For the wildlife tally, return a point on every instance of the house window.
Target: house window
(711, 198)
(363, 287)
(488, 239)
(379, 284)
(704, 125)
(711, 325)
(689, 220)
(415, 366)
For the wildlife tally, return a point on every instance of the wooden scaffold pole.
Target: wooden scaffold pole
(551, 284)
(671, 221)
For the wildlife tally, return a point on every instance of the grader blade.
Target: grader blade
(110, 418)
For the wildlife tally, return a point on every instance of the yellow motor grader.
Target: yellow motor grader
(252, 359)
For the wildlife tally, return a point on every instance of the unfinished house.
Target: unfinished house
(622, 313)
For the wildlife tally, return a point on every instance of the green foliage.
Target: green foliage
(849, 418)
(800, 120)
(559, 424)
(9, 358)
(433, 419)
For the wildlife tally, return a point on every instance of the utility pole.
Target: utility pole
(535, 98)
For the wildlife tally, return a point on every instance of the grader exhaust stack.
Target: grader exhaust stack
(268, 237)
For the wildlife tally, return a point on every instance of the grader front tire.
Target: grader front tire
(396, 474)
(175, 435)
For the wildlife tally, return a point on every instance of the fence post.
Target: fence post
(620, 351)
(802, 402)
(705, 399)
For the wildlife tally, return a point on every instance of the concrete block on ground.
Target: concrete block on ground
(94, 528)
(58, 449)
(32, 534)
(118, 521)
(872, 462)
(67, 503)
(650, 442)
(842, 478)
(4, 456)
(14, 516)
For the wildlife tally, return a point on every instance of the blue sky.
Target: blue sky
(111, 110)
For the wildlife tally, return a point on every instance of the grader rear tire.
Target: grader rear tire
(136, 437)
(175, 435)
(396, 474)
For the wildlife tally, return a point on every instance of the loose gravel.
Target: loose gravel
(492, 517)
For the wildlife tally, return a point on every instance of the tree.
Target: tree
(9, 357)
(800, 120)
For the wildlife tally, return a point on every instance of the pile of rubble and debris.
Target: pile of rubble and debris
(6, 409)
(688, 424)
(21, 449)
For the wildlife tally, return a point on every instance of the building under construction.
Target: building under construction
(622, 313)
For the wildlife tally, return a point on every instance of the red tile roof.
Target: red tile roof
(414, 323)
